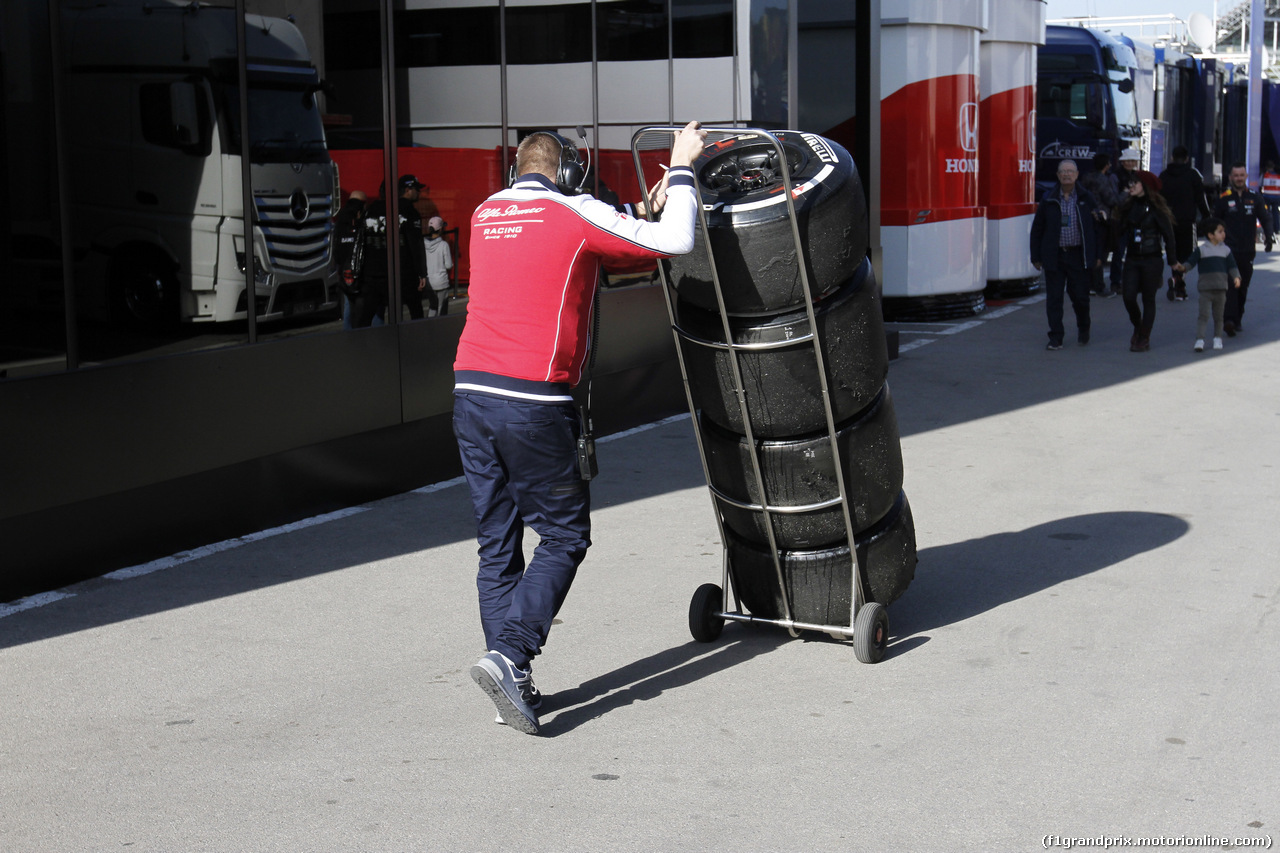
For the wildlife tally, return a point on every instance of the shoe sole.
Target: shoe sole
(491, 682)
(498, 719)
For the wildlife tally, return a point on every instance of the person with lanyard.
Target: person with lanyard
(1130, 162)
(1144, 223)
(1064, 243)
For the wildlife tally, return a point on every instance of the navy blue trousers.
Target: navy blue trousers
(1069, 277)
(520, 459)
(1236, 296)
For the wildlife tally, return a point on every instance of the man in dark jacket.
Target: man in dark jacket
(1064, 243)
(1101, 184)
(1183, 188)
(344, 242)
(413, 256)
(1241, 209)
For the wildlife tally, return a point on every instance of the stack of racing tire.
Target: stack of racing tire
(760, 318)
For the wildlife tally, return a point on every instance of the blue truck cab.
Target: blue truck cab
(1085, 101)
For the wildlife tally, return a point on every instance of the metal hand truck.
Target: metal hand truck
(868, 620)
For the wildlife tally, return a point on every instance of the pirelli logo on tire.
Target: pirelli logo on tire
(820, 147)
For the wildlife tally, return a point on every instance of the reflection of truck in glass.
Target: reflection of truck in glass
(155, 164)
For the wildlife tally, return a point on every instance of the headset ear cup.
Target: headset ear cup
(571, 174)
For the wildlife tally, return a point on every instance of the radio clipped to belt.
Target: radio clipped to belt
(587, 467)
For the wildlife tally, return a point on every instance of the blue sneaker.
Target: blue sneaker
(511, 690)
(531, 694)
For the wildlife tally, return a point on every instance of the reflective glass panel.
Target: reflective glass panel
(826, 70)
(154, 207)
(351, 61)
(448, 82)
(296, 193)
(770, 25)
(32, 303)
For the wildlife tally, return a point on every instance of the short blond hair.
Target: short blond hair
(539, 153)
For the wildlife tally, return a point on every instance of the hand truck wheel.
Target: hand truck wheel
(704, 625)
(871, 632)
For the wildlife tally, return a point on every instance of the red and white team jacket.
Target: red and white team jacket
(535, 262)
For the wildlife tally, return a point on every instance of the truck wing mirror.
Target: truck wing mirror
(175, 115)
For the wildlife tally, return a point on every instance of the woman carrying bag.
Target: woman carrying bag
(1143, 221)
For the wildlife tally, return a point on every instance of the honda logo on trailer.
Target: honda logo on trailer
(968, 132)
(969, 127)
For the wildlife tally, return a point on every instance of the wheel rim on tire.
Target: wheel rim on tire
(749, 228)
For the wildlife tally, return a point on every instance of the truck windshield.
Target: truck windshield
(1126, 107)
(1070, 98)
(284, 123)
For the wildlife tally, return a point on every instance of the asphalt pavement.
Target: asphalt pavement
(1088, 650)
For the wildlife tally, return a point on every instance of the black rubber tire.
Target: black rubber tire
(871, 632)
(801, 471)
(819, 584)
(784, 394)
(751, 238)
(703, 625)
(143, 289)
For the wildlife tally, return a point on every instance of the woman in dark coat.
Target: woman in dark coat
(1142, 223)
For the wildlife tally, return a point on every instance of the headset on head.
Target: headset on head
(571, 174)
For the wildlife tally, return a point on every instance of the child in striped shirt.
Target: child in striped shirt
(1217, 270)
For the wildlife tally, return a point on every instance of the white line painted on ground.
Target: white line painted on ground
(226, 545)
(32, 601)
(436, 487)
(644, 428)
(1000, 312)
(961, 327)
(935, 331)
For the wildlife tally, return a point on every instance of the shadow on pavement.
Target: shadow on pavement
(959, 581)
(953, 583)
(649, 678)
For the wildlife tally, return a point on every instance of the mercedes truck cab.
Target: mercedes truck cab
(156, 160)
